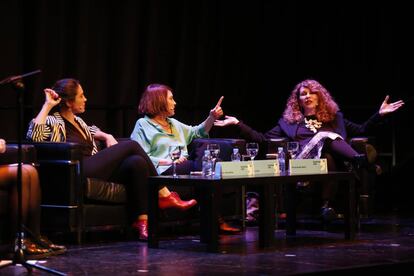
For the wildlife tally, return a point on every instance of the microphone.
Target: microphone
(12, 79)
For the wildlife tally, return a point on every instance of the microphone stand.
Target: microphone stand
(19, 258)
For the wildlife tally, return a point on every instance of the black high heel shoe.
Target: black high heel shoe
(32, 248)
(57, 249)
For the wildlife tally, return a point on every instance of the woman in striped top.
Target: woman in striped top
(123, 162)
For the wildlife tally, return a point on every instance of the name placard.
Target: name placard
(308, 166)
(247, 168)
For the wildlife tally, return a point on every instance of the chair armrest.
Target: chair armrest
(11, 154)
(60, 172)
(362, 145)
(358, 143)
(58, 151)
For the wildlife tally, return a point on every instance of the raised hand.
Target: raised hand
(52, 98)
(228, 120)
(389, 107)
(217, 112)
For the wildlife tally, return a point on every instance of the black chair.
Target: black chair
(367, 176)
(72, 202)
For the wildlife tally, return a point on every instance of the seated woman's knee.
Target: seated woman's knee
(136, 163)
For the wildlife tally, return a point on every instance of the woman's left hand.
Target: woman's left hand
(217, 112)
(389, 107)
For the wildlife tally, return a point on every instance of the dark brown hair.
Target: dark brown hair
(66, 89)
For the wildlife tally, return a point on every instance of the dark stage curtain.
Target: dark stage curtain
(251, 52)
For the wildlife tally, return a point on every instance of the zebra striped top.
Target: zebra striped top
(54, 130)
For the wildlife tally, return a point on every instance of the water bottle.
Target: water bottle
(207, 163)
(282, 161)
(235, 156)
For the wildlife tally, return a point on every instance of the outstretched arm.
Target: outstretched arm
(386, 107)
(215, 113)
(354, 129)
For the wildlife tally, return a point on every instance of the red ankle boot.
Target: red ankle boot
(226, 228)
(141, 226)
(174, 201)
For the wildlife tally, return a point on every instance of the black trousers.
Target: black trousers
(128, 164)
(336, 152)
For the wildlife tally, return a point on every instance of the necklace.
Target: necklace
(313, 125)
(163, 124)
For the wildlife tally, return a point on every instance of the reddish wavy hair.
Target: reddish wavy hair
(325, 111)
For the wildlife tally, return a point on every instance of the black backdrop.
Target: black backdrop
(252, 52)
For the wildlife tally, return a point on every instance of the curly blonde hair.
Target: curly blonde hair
(325, 110)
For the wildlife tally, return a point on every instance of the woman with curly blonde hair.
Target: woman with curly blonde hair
(312, 118)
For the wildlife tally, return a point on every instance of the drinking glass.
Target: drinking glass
(175, 154)
(215, 152)
(252, 150)
(292, 148)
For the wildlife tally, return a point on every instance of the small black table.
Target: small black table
(265, 184)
